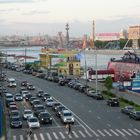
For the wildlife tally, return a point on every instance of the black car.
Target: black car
(127, 109)
(40, 93)
(32, 99)
(30, 87)
(38, 109)
(28, 96)
(82, 88)
(135, 115)
(113, 102)
(45, 117)
(46, 96)
(15, 122)
(36, 103)
(61, 82)
(24, 83)
(98, 96)
(55, 104)
(59, 109)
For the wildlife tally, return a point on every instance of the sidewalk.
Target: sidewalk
(129, 95)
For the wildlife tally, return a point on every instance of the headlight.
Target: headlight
(50, 118)
(72, 119)
(42, 119)
(65, 119)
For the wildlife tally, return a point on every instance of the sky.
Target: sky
(32, 17)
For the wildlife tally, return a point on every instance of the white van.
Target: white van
(12, 82)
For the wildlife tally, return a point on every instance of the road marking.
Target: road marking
(14, 137)
(107, 132)
(42, 137)
(120, 132)
(109, 125)
(114, 132)
(88, 133)
(100, 132)
(74, 133)
(82, 134)
(98, 117)
(133, 132)
(21, 137)
(56, 137)
(127, 132)
(69, 135)
(48, 135)
(35, 137)
(137, 130)
(61, 134)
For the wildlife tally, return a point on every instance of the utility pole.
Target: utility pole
(25, 57)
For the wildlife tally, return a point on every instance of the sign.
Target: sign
(0, 119)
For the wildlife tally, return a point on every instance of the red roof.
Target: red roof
(93, 72)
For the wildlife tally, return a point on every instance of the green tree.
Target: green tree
(108, 83)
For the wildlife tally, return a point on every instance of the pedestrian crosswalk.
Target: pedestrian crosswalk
(79, 134)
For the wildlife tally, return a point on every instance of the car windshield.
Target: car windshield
(44, 115)
(15, 119)
(138, 113)
(130, 108)
(28, 112)
(15, 113)
(33, 120)
(40, 108)
(67, 114)
(41, 91)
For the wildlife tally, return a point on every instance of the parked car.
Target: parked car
(135, 115)
(33, 122)
(90, 93)
(113, 102)
(127, 109)
(98, 96)
(66, 116)
(45, 117)
(61, 82)
(15, 122)
(27, 113)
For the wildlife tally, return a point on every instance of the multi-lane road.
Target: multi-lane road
(94, 119)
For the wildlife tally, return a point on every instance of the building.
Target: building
(60, 60)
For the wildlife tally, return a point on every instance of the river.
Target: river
(102, 59)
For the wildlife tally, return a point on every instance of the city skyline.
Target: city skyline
(50, 16)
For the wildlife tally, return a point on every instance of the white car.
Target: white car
(27, 113)
(66, 116)
(33, 122)
(18, 97)
(49, 102)
(12, 82)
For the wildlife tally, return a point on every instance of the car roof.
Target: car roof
(66, 111)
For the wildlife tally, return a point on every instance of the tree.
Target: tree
(108, 83)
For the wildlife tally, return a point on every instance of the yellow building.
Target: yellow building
(64, 62)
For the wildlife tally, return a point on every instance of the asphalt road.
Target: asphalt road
(94, 119)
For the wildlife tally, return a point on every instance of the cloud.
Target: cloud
(34, 12)
(5, 11)
(20, 1)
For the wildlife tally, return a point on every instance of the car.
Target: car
(33, 122)
(36, 103)
(18, 97)
(15, 122)
(30, 87)
(32, 99)
(24, 93)
(45, 117)
(82, 88)
(59, 109)
(113, 102)
(11, 82)
(12, 108)
(28, 96)
(46, 96)
(14, 113)
(66, 116)
(127, 110)
(27, 113)
(90, 93)
(9, 98)
(38, 109)
(55, 104)
(24, 83)
(77, 85)
(98, 96)
(135, 115)
(49, 102)
(61, 82)
(22, 89)
(40, 93)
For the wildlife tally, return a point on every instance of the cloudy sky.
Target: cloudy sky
(50, 16)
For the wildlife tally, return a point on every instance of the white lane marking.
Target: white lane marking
(109, 125)
(80, 121)
(133, 132)
(107, 132)
(14, 137)
(127, 132)
(100, 132)
(35, 137)
(88, 133)
(21, 137)
(41, 136)
(74, 133)
(114, 132)
(83, 135)
(120, 132)
(49, 137)
(69, 135)
(137, 130)
(61, 134)
(56, 137)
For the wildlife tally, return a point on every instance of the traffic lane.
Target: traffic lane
(71, 99)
